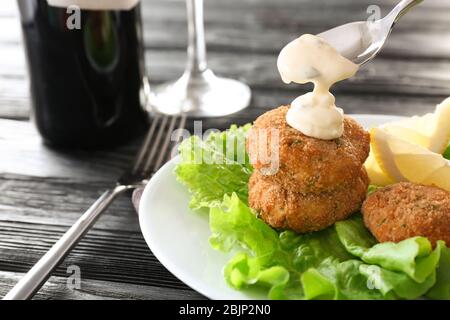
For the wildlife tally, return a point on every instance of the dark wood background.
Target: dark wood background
(43, 191)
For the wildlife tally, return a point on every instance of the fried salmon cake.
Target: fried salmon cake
(313, 165)
(405, 210)
(287, 208)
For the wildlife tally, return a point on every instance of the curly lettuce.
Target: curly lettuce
(341, 262)
(215, 166)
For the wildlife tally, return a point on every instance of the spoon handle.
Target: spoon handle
(403, 7)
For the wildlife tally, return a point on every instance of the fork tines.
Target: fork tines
(156, 146)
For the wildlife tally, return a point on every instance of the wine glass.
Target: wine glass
(199, 92)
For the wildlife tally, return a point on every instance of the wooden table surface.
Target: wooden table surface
(43, 191)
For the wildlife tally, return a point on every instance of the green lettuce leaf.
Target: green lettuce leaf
(372, 188)
(413, 256)
(447, 152)
(263, 262)
(215, 166)
(401, 284)
(340, 281)
(290, 265)
(441, 289)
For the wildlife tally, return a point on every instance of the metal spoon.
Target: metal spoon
(361, 41)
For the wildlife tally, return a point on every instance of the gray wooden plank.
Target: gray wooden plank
(419, 43)
(404, 44)
(266, 27)
(35, 212)
(247, 11)
(353, 103)
(382, 76)
(119, 256)
(56, 289)
(386, 76)
(28, 156)
(59, 202)
(14, 109)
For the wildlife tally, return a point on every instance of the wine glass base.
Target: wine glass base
(200, 95)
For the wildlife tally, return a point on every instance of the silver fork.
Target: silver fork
(150, 157)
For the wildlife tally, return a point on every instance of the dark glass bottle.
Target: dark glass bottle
(87, 83)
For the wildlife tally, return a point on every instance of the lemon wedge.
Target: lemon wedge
(431, 131)
(375, 173)
(401, 160)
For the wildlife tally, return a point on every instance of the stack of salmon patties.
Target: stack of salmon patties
(303, 183)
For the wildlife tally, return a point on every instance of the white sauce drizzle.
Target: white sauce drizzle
(311, 59)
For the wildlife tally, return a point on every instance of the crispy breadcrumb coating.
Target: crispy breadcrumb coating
(314, 165)
(287, 209)
(318, 182)
(405, 210)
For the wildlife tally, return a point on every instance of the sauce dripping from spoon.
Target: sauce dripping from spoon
(311, 59)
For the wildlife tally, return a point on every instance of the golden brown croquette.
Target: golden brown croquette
(284, 208)
(405, 210)
(318, 182)
(315, 165)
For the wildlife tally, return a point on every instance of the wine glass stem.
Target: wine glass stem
(196, 52)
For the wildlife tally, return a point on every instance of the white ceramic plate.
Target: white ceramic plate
(178, 237)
